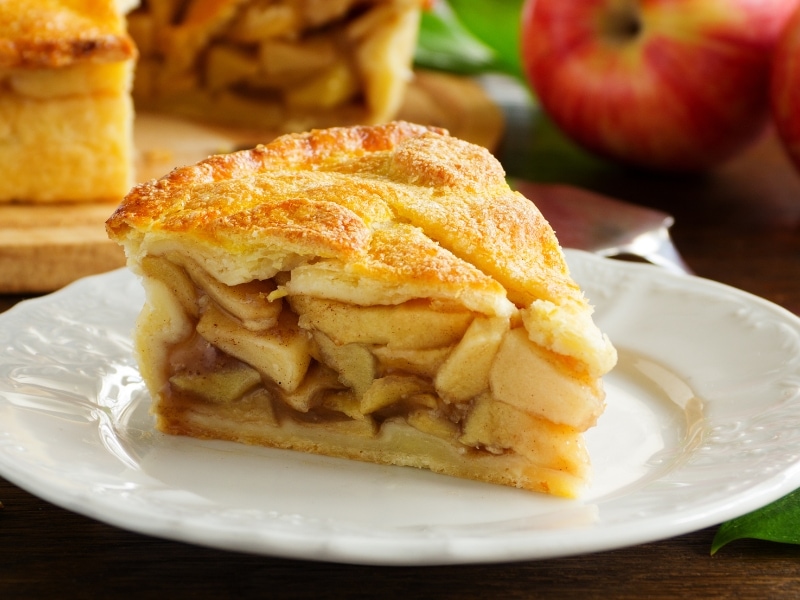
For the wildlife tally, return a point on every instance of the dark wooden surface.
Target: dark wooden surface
(739, 225)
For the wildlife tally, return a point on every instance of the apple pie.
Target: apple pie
(277, 65)
(371, 292)
(66, 116)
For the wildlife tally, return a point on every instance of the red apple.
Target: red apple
(785, 88)
(665, 84)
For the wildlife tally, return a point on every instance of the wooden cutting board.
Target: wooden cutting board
(45, 247)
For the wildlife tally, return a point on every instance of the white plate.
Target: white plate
(702, 425)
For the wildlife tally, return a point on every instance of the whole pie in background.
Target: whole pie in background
(275, 65)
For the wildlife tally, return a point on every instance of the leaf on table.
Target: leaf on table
(776, 522)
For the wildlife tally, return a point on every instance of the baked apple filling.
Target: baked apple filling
(284, 65)
(264, 357)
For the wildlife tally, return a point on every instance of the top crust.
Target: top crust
(370, 215)
(56, 33)
(339, 194)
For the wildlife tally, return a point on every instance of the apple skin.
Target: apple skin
(785, 88)
(676, 85)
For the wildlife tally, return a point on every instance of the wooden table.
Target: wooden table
(739, 225)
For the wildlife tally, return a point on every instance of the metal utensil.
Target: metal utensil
(606, 226)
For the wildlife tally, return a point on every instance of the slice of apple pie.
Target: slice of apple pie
(375, 293)
(66, 115)
(279, 65)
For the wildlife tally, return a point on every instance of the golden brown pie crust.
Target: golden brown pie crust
(52, 34)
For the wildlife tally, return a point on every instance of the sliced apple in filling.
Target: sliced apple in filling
(280, 354)
(474, 382)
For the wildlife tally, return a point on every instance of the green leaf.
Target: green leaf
(446, 45)
(497, 24)
(470, 37)
(776, 522)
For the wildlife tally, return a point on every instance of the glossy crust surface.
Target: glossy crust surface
(343, 192)
(48, 34)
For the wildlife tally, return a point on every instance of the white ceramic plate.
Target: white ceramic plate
(702, 425)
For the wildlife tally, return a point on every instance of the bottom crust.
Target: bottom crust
(396, 443)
